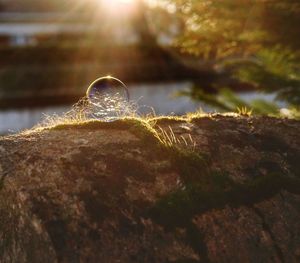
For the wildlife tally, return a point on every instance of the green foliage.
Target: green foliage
(253, 43)
(197, 93)
(227, 100)
(272, 70)
(218, 29)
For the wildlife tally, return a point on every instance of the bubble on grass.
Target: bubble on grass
(107, 87)
(109, 99)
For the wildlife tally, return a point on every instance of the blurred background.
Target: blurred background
(176, 56)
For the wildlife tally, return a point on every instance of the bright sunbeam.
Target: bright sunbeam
(117, 6)
(116, 3)
(122, 1)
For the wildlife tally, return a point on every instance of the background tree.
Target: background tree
(250, 43)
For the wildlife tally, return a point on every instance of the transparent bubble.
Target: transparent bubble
(109, 98)
(107, 86)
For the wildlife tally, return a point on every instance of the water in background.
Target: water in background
(160, 97)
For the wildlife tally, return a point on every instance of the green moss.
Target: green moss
(190, 165)
(121, 124)
(167, 120)
(216, 191)
(146, 133)
(178, 208)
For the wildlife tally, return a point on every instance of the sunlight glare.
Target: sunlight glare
(116, 7)
(117, 2)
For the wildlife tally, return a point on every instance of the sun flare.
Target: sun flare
(123, 1)
(117, 6)
(118, 2)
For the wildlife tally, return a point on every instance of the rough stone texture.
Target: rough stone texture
(81, 194)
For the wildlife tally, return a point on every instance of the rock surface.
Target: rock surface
(226, 190)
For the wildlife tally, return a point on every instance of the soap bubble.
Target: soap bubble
(109, 98)
(107, 86)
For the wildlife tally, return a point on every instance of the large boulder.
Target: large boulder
(201, 189)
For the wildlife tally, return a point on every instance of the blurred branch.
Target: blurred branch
(252, 43)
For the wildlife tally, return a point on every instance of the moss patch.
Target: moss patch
(121, 124)
(189, 164)
(215, 192)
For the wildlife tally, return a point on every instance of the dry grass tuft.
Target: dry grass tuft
(169, 139)
(119, 113)
(244, 111)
